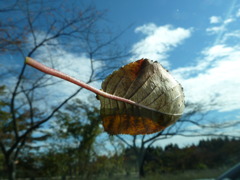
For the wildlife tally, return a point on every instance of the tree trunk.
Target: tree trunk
(141, 171)
(11, 170)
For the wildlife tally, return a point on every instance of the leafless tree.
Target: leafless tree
(194, 123)
(34, 26)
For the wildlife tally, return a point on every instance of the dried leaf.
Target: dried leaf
(147, 83)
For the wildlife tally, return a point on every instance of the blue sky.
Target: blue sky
(185, 14)
(198, 41)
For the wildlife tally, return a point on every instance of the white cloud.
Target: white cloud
(210, 54)
(218, 20)
(238, 13)
(214, 78)
(229, 20)
(197, 134)
(215, 29)
(231, 36)
(215, 19)
(76, 66)
(217, 51)
(222, 24)
(158, 41)
(147, 29)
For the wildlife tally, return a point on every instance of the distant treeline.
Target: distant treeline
(208, 154)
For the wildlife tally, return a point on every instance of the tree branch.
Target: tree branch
(123, 140)
(12, 105)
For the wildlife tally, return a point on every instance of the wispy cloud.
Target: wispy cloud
(158, 41)
(238, 13)
(230, 37)
(214, 78)
(215, 29)
(221, 24)
(227, 21)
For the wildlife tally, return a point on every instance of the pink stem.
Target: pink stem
(66, 77)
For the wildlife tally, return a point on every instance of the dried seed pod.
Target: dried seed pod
(147, 83)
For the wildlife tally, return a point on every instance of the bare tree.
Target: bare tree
(194, 123)
(38, 25)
